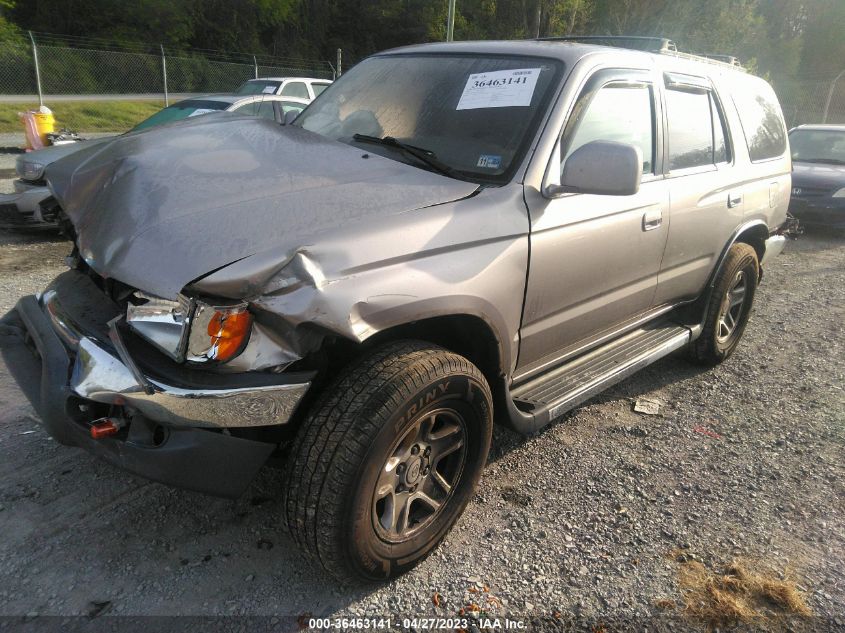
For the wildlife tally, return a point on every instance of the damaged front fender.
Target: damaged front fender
(460, 258)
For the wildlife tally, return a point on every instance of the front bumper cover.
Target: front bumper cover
(165, 440)
(822, 212)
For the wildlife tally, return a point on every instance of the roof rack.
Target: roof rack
(636, 42)
(659, 45)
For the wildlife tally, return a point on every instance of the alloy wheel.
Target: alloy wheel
(419, 475)
(732, 307)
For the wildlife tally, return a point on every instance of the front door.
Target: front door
(595, 259)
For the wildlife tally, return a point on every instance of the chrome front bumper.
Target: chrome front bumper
(101, 376)
(171, 434)
(104, 371)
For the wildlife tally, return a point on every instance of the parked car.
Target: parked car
(818, 175)
(300, 87)
(25, 208)
(451, 233)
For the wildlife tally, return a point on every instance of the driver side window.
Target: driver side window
(618, 111)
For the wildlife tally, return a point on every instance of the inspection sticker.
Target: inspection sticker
(499, 89)
(489, 161)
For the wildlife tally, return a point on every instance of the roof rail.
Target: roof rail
(636, 42)
(725, 59)
(660, 45)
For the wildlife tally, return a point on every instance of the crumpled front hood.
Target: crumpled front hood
(160, 208)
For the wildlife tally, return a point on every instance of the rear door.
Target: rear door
(706, 196)
(595, 259)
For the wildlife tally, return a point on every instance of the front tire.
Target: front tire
(388, 459)
(729, 307)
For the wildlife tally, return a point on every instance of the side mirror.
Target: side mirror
(604, 168)
(289, 117)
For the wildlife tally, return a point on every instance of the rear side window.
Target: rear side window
(762, 122)
(697, 136)
(690, 129)
(296, 89)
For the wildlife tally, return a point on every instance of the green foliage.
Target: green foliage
(784, 37)
(824, 44)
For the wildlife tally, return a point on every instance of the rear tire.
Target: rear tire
(729, 307)
(403, 429)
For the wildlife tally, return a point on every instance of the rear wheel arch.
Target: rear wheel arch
(755, 236)
(754, 233)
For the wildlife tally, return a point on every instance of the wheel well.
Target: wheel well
(755, 237)
(467, 335)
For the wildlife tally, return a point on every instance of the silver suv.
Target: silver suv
(452, 233)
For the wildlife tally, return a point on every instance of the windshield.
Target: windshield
(181, 110)
(258, 86)
(818, 146)
(475, 114)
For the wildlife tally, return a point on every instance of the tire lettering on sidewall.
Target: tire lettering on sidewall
(420, 402)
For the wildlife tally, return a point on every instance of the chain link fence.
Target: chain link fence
(81, 67)
(90, 70)
(820, 100)
(17, 71)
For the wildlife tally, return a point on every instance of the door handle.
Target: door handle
(734, 200)
(652, 220)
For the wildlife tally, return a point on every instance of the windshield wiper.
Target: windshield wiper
(421, 154)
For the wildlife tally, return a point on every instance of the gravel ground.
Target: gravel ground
(588, 520)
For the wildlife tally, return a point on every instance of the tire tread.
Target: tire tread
(334, 439)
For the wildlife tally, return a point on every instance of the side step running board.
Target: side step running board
(565, 387)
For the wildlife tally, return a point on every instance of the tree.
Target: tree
(823, 53)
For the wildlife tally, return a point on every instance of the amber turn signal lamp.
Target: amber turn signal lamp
(228, 331)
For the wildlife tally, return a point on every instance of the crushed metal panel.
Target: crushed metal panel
(160, 208)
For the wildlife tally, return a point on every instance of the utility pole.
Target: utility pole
(339, 67)
(829, 95)
(450, 22)
(37, 69)
(255, 64)
(164, 75)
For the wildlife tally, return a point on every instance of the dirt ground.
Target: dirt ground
(587, 523)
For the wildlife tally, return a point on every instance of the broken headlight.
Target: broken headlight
(192, 330)
(218, 333)
(162, 322)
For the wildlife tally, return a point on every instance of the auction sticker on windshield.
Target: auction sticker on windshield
(499, 89)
